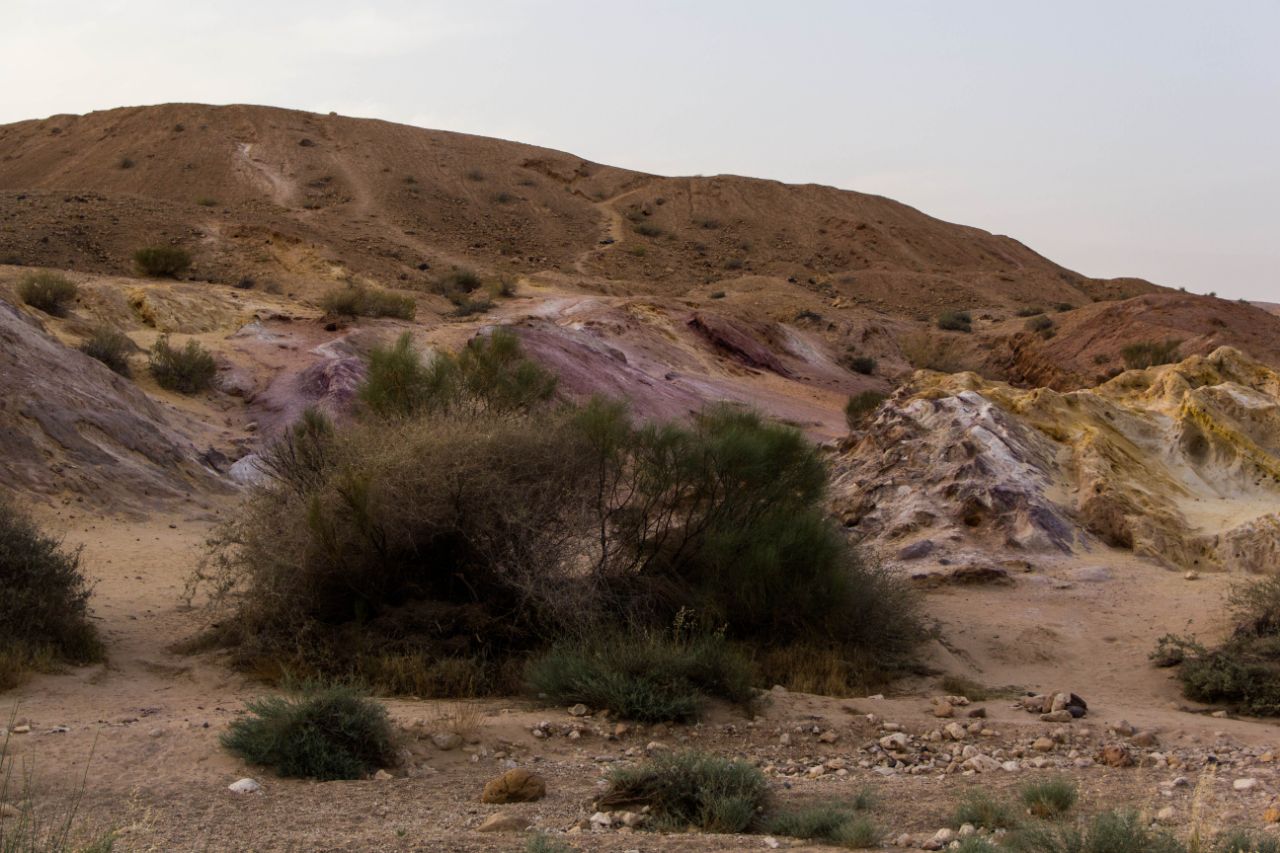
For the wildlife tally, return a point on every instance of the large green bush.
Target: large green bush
(44, 602)
(468, 521)
(324, 732)
(49, 291)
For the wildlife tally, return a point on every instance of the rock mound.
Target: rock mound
(1179, 463)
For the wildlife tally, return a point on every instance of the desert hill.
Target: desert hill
(257, 191)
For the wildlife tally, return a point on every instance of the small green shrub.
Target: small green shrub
(324, 732)
(976, 844)
(1049, 798)
(205, 201)
(490, 373)
(1150, 353)
(1109, 832)
(860, 407)
(49, 291)
(1029, 312)
(644, 229)
(837, 823)
(162, 261)
(1244, 671)
(689, 789)
(647, 677)
(717, 294)
(357, 301)
(1064, 306)
(540, 842)
(983, 811)
(109, 346)
(188, 370)
(469, 307)
(1241, 841)
(44, 611)
(864, 364)
(955, 321)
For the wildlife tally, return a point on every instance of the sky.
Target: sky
(1117, 138)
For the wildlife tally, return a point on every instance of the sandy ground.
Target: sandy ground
(148, 721)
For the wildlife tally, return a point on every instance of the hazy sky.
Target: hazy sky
(1117, 138)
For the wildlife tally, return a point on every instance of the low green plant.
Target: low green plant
(49, 291)
(359, 301)
(1050, 798)
(321, 732)
(162, 261)
(983, 811)
(1039, 323)
(860, 407)
(644, 677)
(960, 685)
(690, 789)
(955, 321)
(1109, 832)
(1244, 671)
(1146, 354)
(864, 364)
(540, 842)
(1243, 841)
(1029, 312)
(44, 611)
(468, 307)
(109, 346)
(188, 370)
(976, 844)
(838, 823)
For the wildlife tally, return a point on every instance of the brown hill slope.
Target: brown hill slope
(290, 195)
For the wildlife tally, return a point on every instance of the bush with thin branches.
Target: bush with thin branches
(49, 291)
(188, 370)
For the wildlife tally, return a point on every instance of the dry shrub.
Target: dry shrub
(44, 609)
(162, 261)
(49, 291)
(924, 351)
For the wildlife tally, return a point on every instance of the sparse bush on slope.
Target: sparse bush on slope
(49, 291)
(109, 346)
(188, 370)
(44, 606)
(1150, 353)
(860, 407)
(358, 301)
(162, 261)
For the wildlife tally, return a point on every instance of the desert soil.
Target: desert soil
(142, 730)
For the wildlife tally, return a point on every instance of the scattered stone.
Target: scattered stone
(1144, 739)
(977, 713)
(1167, 815)
(579, 710)
(602, 820)
(944, 709)
(446, 740)
(829, 736)
(1043, 744)
(245, 786)
(8, 810)
(503, 822)
(1247, 784)
(382, 776)
(1116, 755)
(894, 742)
(514, 786)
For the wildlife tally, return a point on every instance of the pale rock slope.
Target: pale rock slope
(1179, 463)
